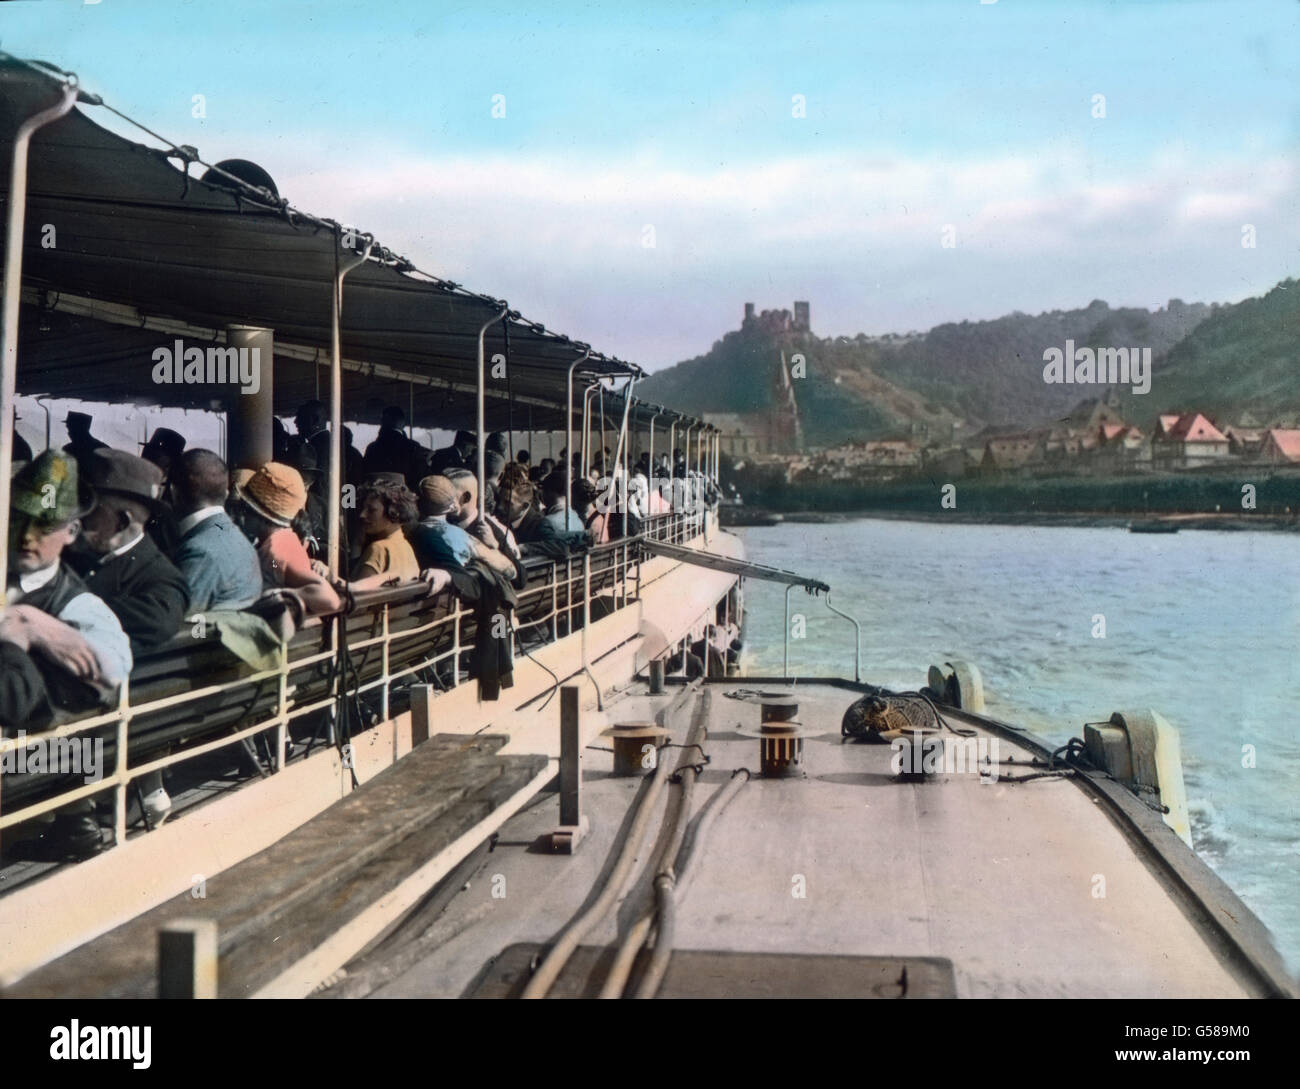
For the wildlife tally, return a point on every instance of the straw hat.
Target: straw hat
(276, 492)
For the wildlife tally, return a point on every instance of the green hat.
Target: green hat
(48, 490)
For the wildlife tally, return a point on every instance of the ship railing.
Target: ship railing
(389, 640)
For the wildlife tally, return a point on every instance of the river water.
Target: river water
(1202, 626)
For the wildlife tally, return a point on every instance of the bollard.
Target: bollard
(187, 959)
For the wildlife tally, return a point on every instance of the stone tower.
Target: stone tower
(801, 323)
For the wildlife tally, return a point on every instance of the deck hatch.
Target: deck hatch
(706, 973)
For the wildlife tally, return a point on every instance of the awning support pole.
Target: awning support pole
(13, 274)
(335, 504)
(568, 436)
(482, 395)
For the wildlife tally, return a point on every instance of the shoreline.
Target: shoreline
(1232, 522)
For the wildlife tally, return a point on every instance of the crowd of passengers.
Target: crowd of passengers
(110, 552)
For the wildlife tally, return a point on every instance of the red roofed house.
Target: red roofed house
(1281, 446)
(1190, 442)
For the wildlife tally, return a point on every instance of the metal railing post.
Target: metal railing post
(482, 396)
(857, 638)
(13, 276)
(335, 504)
(786, 667)
(568, 436)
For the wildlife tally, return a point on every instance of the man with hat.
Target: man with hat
(393, 452)
(164, 449)
(458, 455)
(79, 652)
(81, 442)
(119, 561)
(62, 651)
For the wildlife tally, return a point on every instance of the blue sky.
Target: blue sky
(918, 116)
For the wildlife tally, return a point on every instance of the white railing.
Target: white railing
(311, 684)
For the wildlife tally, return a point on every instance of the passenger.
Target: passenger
(61, 648)
(585, 503)
(353, 462)
(542, 470)
(494, 465)
(310, 524)
(498, 442)
(440, 543)
(393, 452)
(385, 510)
(81, 442)
(560, 522)
(515, 503)
(524, 458)
(21, 452)
(458, 455)
(487, 529)
(267, 504)
(120, 564)
(118, 561)
(313, 430)
(164, 449)
(220, 566)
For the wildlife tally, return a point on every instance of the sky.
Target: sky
(631, 176)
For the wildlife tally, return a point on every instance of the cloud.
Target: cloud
(566, 239)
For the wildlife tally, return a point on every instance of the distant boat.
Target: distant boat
(1154, 526)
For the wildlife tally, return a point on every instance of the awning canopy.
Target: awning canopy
(125, 251)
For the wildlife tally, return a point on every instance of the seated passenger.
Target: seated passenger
(440, 543)
(385, 510)
(120, 563)
(118, 560)
(61, 648)
(488, 528)
(587, 501)
(515, 506)
(266, 505)
(459, 455)
(220, 566)
(560, 522)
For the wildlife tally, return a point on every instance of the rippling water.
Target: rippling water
(1204, 627)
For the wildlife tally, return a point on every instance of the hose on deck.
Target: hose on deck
(553, 964)
(666, 885)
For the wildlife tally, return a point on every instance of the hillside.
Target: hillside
(956, 378)
(1244, 357)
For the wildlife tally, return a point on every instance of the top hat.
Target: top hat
(168, 441)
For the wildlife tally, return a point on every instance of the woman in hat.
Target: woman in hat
(267, 503)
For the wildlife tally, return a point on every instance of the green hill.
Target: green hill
(1244, 357)
(955, 379)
